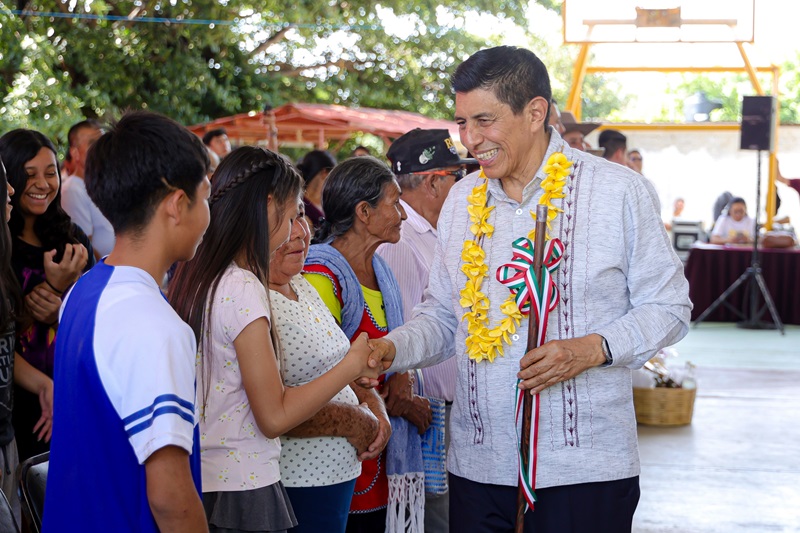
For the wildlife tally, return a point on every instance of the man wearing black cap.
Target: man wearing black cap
(427, 165)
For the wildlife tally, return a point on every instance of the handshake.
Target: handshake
(372, 357)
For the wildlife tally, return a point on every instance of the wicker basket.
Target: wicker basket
(663, 406)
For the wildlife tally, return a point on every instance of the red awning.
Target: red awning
(322, 124)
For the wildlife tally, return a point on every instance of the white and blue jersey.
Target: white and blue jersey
(124, 388)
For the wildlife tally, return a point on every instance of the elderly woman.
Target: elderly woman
(734, 227)
(320, 458)
(362, 211)
(49, 253)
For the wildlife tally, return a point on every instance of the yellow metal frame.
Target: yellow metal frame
(581, 69)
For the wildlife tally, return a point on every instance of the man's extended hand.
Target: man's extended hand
(382, 356)
(557, 361)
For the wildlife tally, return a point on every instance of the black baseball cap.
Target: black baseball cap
(420, 150)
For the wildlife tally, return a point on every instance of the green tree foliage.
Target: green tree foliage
(95, 58)
(728, 89)
(790, 91)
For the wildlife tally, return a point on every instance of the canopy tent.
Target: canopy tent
(320, 125)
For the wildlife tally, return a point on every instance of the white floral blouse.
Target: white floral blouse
(235, 454)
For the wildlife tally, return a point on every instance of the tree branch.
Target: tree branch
(286, 69)
(272, 39)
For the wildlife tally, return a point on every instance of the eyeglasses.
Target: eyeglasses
(459, 174)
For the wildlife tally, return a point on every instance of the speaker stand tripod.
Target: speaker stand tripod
(750, 315)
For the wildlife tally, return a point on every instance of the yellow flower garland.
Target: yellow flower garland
(482, 342)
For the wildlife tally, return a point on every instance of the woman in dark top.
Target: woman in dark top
(12, 370)
(315, 166)
(49, 253)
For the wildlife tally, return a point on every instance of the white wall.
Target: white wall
(698, 166)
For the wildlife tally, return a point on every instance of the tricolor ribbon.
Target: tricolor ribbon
(542, 295)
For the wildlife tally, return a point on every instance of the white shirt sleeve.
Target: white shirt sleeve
(76, 202)
(145, 356)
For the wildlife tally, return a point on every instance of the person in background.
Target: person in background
(735, 226)
(270, 123)
(213, 160)
(575, 132)
(614, 145)
(720, 207)
(315, 167)
(320, 457)
(794, 183)
(360, 151)
(635, 162)
(556, 116)
(677, 207)
(49, 253)
(425, 183)
(13, 368)
(217, 140)
(125, 454)
(74, 198)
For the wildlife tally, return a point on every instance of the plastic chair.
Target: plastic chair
(7, 521)
(32, 475)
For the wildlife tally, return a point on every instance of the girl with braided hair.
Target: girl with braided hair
(221, 294)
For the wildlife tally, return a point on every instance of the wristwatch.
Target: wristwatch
(606, 352)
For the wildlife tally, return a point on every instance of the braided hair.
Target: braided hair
(239, 230)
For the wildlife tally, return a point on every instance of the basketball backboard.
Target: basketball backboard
(658, 21)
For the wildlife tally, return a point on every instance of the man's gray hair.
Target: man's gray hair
(409, 182)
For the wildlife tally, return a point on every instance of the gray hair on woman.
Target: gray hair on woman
(360, 179)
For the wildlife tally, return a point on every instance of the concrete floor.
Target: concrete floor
(736, 468)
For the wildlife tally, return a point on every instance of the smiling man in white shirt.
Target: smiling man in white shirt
(622, 297)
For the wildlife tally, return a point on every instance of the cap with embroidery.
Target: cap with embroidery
(420, 150)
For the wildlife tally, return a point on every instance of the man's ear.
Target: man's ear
(73, 153)
(536, 111)
(432, 185)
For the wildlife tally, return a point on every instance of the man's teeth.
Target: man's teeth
(486, 155)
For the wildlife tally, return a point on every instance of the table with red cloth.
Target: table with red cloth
(712, 268)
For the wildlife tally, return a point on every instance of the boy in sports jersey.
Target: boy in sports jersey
(125, 454)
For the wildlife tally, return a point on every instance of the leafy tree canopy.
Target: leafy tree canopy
(95, 58)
